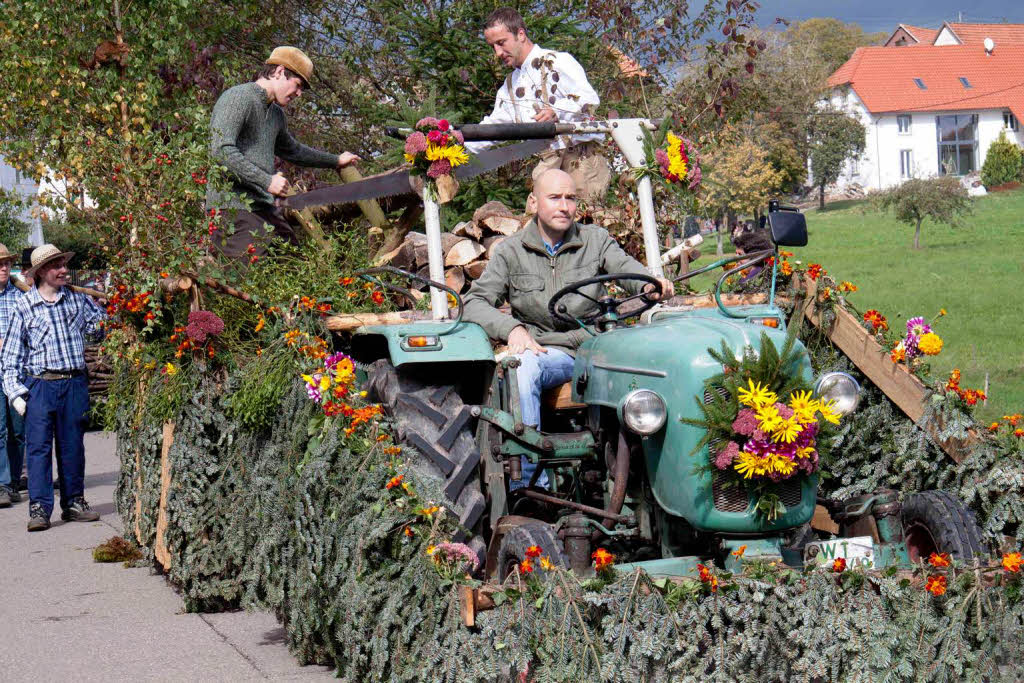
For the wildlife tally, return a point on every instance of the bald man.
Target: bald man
(526, 270)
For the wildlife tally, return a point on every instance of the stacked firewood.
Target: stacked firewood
(467, 248)
(100, 372)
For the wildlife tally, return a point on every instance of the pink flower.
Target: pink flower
(459, 136)
(427, 122)
(415, 144)
(439, 168)
(459, 552)
(785, 412)
(695, 176)
(661, 156)
(745, 423)
(435, 136)
(203, 323)
(918, 327)
(443, 124)
(725, 456)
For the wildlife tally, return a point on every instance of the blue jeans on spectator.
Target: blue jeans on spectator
(57, 412)
(537, 372)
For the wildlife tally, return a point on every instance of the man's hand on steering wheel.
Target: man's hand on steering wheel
(666, 290)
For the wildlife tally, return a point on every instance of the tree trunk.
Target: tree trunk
(917, 235)
(821, 197)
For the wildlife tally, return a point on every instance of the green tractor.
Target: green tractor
(624, 465)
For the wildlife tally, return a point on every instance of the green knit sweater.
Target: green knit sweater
(247, 131)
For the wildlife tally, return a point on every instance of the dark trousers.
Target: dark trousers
(57, 412)
(252, 228)
(15, 442)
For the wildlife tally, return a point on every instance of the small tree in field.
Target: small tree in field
(943, 199)
(835, 137)
(1003, 162)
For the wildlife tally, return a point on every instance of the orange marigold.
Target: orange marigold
(839, 565)
(1018, 433)
(939, 560)
(602, 559)
(815, 271)
(1012, 562)
(533, 551)
(526, 566)
(394, 481)
(994, 427)
(936, 584)
(786, 269)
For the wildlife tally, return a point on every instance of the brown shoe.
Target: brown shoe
(79, 511)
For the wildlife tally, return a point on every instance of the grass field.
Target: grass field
(975, 272)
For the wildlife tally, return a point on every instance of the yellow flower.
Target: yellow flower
(429, 512)
(676, 164)
(325, 383)
(756, 395)
(827, 412)
(780, 464)
(410, 158)
(456, 155)
(546, 564)
(170, 370)
(803, 406)
(805, 452)
(750, 465)
(768, 417)
(431, 549)
(930, 344)
(787, 430)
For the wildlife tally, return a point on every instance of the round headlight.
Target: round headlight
(841, 388)
(643, 411)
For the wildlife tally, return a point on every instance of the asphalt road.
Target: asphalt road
(64, 617)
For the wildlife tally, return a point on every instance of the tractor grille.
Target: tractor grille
(721, 391)
(790, 492)
(728, 498)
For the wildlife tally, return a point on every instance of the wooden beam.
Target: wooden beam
(160, 550)
(370, 208)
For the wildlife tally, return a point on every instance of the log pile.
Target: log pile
(100, 372)
(467, 248)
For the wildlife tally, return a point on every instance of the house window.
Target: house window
(906, 163)
(1010, 121)
(903, 124)
(958, 143)
(854, 167)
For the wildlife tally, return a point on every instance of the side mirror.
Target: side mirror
(789, 228)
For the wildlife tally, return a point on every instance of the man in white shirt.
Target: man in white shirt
(546, 86)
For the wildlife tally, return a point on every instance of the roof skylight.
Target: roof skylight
(920, 84)
(964, 82)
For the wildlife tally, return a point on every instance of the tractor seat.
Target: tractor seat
(560, 398)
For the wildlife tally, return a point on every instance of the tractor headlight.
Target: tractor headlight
(841, 388)
(643, 411)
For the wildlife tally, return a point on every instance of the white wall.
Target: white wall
(946, 37)
(25, 187)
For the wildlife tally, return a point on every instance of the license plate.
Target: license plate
(858, 551)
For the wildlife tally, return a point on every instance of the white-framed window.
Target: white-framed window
(854, 167)
(906, 163)
(903, 124)
(1010, 121)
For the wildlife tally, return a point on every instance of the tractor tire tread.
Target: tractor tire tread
(953, 526)
(514, 544)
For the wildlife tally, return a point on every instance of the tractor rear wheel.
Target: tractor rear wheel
(432, 419)
(937, 522)
(513, 547)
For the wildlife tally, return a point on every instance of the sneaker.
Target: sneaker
(12, 494)
(5, 497)
(38, 519)
(23, 484)
(79, 511)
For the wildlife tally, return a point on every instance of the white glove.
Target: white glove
(19, 405)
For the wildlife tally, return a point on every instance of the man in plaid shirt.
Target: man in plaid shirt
(12, 425)
(45, 347)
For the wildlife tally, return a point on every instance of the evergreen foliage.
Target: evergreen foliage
(1003, 162)
(258, 520)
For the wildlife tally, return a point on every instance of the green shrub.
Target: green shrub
(1003, 163)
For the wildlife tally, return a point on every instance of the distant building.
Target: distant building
(936, 108)
(12, 180)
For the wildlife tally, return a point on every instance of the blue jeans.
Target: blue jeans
(57, 411)
(6, 464)
(12, 446)
(537, 372)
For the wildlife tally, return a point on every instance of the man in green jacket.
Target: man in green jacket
(248, 128)
(551, 252)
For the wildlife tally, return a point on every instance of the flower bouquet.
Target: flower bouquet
(673, 160)
(435, 150)
(763, 426)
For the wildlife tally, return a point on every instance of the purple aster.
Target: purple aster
(725, 456)
(917, 327)
(313, 390)
(439, 168)
(415, 144)
(745, 423)
(910, 346)
(757, 446)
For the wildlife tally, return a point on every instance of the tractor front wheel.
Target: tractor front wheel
(515, 543)
(937, 522)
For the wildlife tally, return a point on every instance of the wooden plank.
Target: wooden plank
(160, 550)
(467, 606)
(822, 521)
(352, 321)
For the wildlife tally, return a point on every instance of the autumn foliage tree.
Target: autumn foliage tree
(835, 137)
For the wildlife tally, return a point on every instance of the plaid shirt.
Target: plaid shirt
(42, 336)
(9, 298)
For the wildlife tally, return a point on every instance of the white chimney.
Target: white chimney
(989, 46)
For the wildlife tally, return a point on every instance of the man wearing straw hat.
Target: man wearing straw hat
(12, 425)
(248, 128)
(44, 377)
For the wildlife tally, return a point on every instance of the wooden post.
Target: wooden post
(160, 550)
(370, 208)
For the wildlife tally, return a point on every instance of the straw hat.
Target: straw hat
(43, 255)
(295, 59)
(6, 255)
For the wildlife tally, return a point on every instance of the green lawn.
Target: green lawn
(975, 272)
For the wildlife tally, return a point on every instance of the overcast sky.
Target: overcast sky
(885, 15)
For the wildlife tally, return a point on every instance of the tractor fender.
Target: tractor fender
(466, 342)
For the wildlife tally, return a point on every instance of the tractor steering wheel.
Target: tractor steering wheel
(607, 305)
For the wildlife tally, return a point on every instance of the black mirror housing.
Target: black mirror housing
(789, 228)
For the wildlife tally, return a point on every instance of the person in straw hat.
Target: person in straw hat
(12, 425)
(248, 128)
(44, 377)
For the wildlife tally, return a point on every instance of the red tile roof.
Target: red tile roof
(975, 34)
(883, 78)
(924, 36)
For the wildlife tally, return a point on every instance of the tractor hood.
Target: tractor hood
(670, 356)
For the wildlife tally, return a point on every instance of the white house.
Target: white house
(930, 109)
(12, 180)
